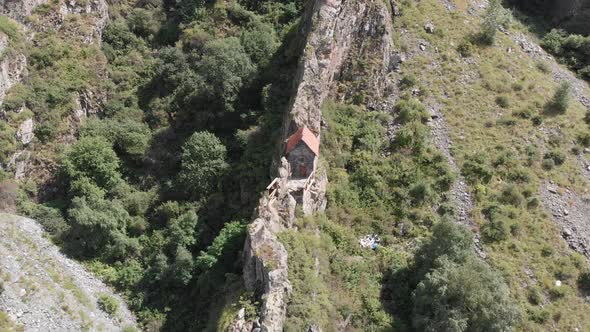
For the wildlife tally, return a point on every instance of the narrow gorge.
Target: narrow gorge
(318, 165)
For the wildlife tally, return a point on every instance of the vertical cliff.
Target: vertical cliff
(332, 28)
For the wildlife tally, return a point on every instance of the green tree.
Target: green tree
(182, 230)
(448, 240)
(100, 228)
(259, 42)
(225, 67)
(93, 158)
(457, 291)
(465, 296)
(182, 268)
(128, 137)
(203, 163)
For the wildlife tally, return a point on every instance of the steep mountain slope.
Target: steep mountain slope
(44, 291)
(492, 118)
(450, 191)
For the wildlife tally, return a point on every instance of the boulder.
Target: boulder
(25, 132)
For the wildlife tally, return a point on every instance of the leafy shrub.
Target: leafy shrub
(226, 66)
(539, 315)
(229, 241)
(9, 27)
(7, 141)
(557, 156)
(51, 219)
(410, 110)
(476, 169)
(561, 99)
(548, 164)
(127, 136)
(570, 49)
(584, 139)
(553, 41)
(496, 230)
(108, 304)
(421, 192)
(512, 196)
(503, 101)
(260, 42)
(558, 292)
(407, 82)
(248, 302)
(534, 296)
(584, 281)
(466, 48)
(532, 202)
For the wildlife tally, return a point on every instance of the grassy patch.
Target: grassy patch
(521, 152)
(7, 325)
(108, 304)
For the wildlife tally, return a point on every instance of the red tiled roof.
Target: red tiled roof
(305, 135)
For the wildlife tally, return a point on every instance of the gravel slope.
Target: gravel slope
(46, 291)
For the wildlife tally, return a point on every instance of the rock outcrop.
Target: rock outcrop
(19, 9)
(13, 66)
(331, 29)
(45, 291)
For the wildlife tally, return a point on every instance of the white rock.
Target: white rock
(558, 283)
(25, 131)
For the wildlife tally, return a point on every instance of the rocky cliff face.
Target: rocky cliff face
(19, 9)
(332, 29)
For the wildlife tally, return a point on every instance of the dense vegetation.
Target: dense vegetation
(155, 191)
(571, 49)
(398, 189)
